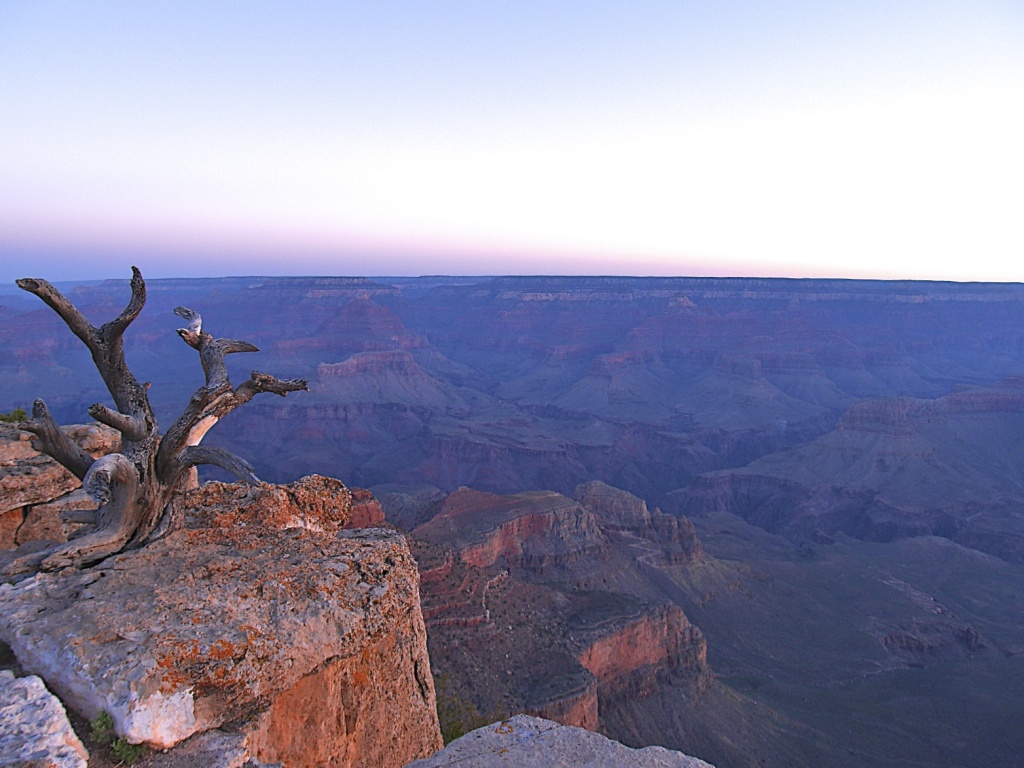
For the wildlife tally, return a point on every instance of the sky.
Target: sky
(879, 139)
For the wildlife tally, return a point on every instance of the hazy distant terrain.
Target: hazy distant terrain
(851, 453)
(643, 382)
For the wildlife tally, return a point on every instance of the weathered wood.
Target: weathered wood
(113, 482)
(54, 443)
(217, 398)
(136, 488)
(211, 350)
(105, 343)
(130, 427)
(205, 454)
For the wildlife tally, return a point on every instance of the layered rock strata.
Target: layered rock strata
(536, 531)
(261, 616)
(618, 510)
(630, 657)
(366, 510)
(520, 599)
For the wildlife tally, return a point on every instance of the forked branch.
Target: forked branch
(135, 488)
(217, 398)
(104, 343)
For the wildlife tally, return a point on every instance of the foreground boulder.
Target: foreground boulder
(261, 616)
(34, 728)
(530, 742)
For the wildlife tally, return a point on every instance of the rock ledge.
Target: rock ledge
(530, 742)
(261, 617)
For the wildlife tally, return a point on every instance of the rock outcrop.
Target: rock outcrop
(261, 616)
(629, 659)
(528, 604)
(626, 656)
(366, 510)
(536, 531)
(38, 497)
(531, 742)
(34, 728)
(618, 510)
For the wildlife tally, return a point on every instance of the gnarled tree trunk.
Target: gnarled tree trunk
(135, 487)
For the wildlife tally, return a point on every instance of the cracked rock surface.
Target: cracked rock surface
(531, 742)
(34, 728)
(261, 615)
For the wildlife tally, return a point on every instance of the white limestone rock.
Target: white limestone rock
(34, 728)
(530, 742)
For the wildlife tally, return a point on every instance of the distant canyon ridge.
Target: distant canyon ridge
(809, 407)
(766, 522)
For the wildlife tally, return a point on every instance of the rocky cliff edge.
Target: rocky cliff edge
(261, 617)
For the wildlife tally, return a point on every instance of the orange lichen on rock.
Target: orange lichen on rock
(240, 514)
(260, 594)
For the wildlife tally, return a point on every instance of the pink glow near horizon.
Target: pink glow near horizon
(567, 138)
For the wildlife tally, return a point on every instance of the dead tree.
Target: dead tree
(135, 488)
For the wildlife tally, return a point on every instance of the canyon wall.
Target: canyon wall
(519, 617)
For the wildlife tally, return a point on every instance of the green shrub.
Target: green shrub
(102, 728)
(12, 417)
(456, 715)
(129, 754)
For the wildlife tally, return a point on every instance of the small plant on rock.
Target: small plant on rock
(15, 416)
(103, 734)
(102, 728)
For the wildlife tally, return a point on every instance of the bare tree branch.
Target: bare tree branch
(106, 343)
(204, 454)
(264, 382)
(195, 326)
(211, 350)
(130, 427)
(55, 443)
(211, 403)
(116, 327)
(67, 311)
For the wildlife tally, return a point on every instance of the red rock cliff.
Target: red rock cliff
(261, 615)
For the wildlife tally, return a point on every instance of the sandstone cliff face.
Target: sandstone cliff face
(536, 531)
(366, 510)
(518, 613)
(660, 640)
(618, 510)
(262, 615)
(628, 657)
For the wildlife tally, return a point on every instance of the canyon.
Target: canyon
(805, 544)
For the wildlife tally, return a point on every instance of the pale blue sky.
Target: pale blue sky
(849, 139)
